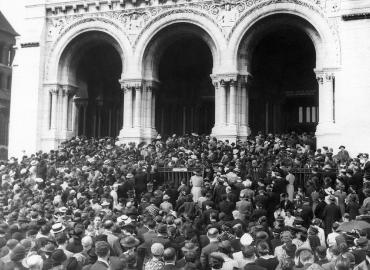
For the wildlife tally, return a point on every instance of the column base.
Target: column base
(225, 132)
(244, 132)
(51, 140)
(327, 134)
(130, 135)
(148, 134)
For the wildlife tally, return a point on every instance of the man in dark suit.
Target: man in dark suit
(250, 257)
(169, 256)
(104, 261)
(212, 235)
(331, 214)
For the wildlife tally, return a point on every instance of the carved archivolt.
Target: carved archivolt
(225, 14)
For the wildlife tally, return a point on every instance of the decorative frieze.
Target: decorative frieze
(226, 14)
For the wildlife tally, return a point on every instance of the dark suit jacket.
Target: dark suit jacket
(115, 264)
(206, 251)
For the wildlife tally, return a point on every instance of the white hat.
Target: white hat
(39, 180)
(23, 171)
(57, 228)
(2, 167)
(105, 203)
(33, 162)
(125, 219)
(246, 239)
(63, 209)
(32, 261)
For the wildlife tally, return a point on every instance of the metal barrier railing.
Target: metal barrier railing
(174, 176)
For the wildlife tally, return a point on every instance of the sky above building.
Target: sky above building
(13, 10)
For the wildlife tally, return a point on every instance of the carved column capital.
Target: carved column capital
(68, 90)
(53, 89)
(131, 84)
(325, 75)
(224, 79)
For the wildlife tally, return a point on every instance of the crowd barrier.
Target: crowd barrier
(165, 175)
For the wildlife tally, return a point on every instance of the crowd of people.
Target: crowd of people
(98, 204)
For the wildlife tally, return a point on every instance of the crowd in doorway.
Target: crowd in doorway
(91, 204)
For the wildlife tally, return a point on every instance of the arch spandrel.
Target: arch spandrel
(208, 31)
(58, 47)
(323, 36)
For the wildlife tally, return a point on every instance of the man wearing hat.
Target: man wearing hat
(112, 239)
(161, 236)
(360, 249)
(212, 235)
(343, 155)
(16, 257)
(331, 214)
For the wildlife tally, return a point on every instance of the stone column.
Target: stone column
(137, 116)
(54, 108)
(226, 118)
(222, 103)
(127, 109)
(216, 85)
(326, 98)
(66, 92)
(77, 111)
(84, 106)
(153, 109)
(149, 97)
(233, 101)
(244, 129)
(132, 124)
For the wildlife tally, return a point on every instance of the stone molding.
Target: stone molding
(225, 14)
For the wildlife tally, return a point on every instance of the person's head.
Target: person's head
(286, 237)
(34, 262)
(263, 248)
(212, 233)
(249, 252)
(87, 243)
(306, 257)
(335, 226)
(61, 239)
(102, 249)
(157, 249)
(332, 253)
(169, 255)
(321, 252)
(287, 264)
(342, 263)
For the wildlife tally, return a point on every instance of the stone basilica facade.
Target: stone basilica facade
(139, 68)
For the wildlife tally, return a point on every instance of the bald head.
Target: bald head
(87, 242)
(169, 254)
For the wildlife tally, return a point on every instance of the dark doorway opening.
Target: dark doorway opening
(185, 102)
(284, 90)
(98, 73)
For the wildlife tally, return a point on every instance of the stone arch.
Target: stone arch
(61, 57)
(160, 31)
(249, 30)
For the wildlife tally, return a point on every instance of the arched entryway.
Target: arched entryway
(180, 59)
(92, 65)
(279, 54)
